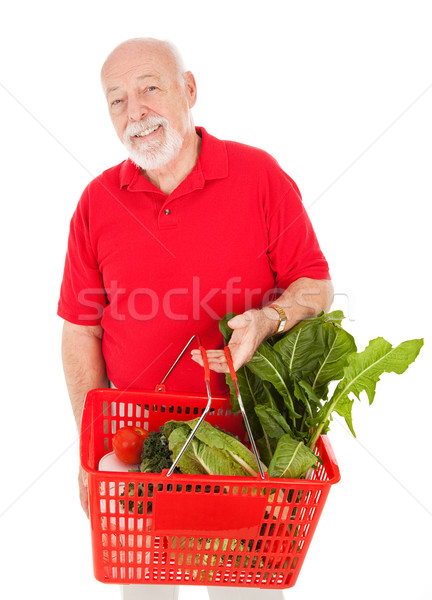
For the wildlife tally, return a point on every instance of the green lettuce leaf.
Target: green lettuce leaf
(363, 373)
(310, 393)
(269, 366)
(338, 346)
(301, 347)
(253, 394)
(286, 383)
(200, 459)
(272, 421)
(266, 447)
(214, 450)
(291, 458)
(317, 350)
(274, 399)
(191, 461)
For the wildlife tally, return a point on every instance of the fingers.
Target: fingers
(243, 343)
(208, 352)
(219, 368)
(85, 503)
(242, 320)
(220, 365)
(213, 355)
(240, 354)
(83, 490)
(216, 359)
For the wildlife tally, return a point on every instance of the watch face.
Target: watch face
(281, 325)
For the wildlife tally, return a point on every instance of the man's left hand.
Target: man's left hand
(250, 329)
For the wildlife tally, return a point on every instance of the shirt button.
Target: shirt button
(167, 211)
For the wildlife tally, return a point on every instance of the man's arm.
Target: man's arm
(84, 369)
(304, 298)
(83, 363)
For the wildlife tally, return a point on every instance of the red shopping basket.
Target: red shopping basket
(149, 528)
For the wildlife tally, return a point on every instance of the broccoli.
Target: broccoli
(155, 457)
(156, 454)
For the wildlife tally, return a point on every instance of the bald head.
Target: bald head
(137, 49)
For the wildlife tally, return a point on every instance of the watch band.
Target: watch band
(282, 317)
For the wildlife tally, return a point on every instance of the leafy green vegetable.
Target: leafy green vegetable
(201, 459)
(291, 458)
(272, 421)
(316, 350)
(156, 454)
(363, 373)
(131, 492)
(285, 386)
(211, 451)
(269, 365)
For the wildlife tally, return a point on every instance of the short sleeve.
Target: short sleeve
(293, 249)
(82, 294)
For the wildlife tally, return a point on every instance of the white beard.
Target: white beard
(152, 154)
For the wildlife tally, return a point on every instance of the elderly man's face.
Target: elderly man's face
(149, 103)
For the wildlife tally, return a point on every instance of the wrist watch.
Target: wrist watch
(282, 317)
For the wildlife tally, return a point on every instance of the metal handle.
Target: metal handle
(207, 408)
(178, 358)
(240, 401)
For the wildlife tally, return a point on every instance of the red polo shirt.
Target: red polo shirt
(154, 269)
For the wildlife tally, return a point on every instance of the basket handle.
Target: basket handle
(240, 401)
(160, 387)
(207, 408)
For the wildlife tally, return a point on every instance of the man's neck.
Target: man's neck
(172, 174)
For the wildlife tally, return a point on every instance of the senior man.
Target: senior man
(163, 245)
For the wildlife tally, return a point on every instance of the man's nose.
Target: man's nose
(136, 109)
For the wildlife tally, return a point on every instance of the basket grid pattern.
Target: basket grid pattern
(187, 529)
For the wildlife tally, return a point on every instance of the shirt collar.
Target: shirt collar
(212, 164)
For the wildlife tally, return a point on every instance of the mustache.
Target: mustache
(136, 128)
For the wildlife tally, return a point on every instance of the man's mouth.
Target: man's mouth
(147, 131)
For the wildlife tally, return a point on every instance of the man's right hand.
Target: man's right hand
(83, 490)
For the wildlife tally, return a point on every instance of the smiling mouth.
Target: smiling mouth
(147, 131)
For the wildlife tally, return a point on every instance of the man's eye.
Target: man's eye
(114, 102)
(151, 88)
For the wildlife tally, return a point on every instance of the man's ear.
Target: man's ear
(190, 87)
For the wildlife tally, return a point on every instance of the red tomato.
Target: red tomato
(128, 443)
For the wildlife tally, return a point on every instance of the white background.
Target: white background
(340, 93)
